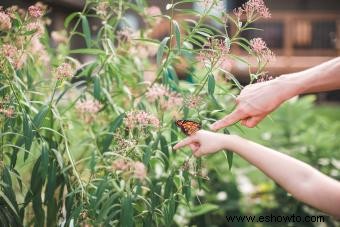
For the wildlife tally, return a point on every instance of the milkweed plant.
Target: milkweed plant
(90, 144)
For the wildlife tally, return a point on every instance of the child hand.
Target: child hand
(204, 142)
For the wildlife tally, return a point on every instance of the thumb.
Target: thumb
(253, 121)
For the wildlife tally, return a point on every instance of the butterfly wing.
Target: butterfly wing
(188, 127)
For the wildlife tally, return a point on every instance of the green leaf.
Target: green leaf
(28, 133)
(203, 209)
(126, 216)
(69, 18)
(88, 51)
(165, 150)
(169, 184)
(96, 87)
(169, 211)
(187, 186)
(177, 34)
(44, 160)
(7, 192)
(9, 204)
(147, 155)
(114, 125)
(86, 30)
(211, 84)
(229, 154)
(160, 51)
(39, 118)
(173, 134)
(51, 182)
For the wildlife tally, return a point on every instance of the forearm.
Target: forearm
(301, 180)
(323, 77)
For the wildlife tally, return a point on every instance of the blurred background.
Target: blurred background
(302, 33)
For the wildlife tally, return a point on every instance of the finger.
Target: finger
(244, 121)
(227, 120)
(253, 121)
(184, 142)
(198, 153)
(194, 147)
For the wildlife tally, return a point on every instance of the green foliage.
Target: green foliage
(91, 144)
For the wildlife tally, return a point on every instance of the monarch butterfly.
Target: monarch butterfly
(188, 127)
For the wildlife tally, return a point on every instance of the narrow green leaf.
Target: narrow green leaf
(69, 18)
(126, 217)
(165, 150)
(96, 87)
(86, 30)
(44, 160)
(203, 209)
(147, 155)
(177, 34)
(51, 182)
(187, 186)
(169, 184)
(9, 204)
(88, 51)
(229, 154)
(211, 84)
(160, 51)
(38, 119)
(28, 133)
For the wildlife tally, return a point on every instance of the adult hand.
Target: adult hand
(256, 101)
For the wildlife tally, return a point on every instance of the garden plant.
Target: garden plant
(90, 144)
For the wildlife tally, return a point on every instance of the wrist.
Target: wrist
(289, 85)
(231, 142)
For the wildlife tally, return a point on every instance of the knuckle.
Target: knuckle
(242, 109)
(197, 154)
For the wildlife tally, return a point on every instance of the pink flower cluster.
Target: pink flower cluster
(8, 112)
(261, 50)
(35, 11)
(135, 119)
(5, 21)
(64, 71)
(207, 4)
(253, 9)
(9, 51)
(167, 99)
(88, 106)
(193, 101)
(138, 168)
(16, 57)
(215, 54)
(102, 8)
(5, 109)
(88, 109)
(153, 11)
(123, 144)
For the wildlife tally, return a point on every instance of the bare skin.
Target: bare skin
(301, 180)
(256, 101)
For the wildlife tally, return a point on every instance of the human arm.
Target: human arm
(301, 180)
(257, 100)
